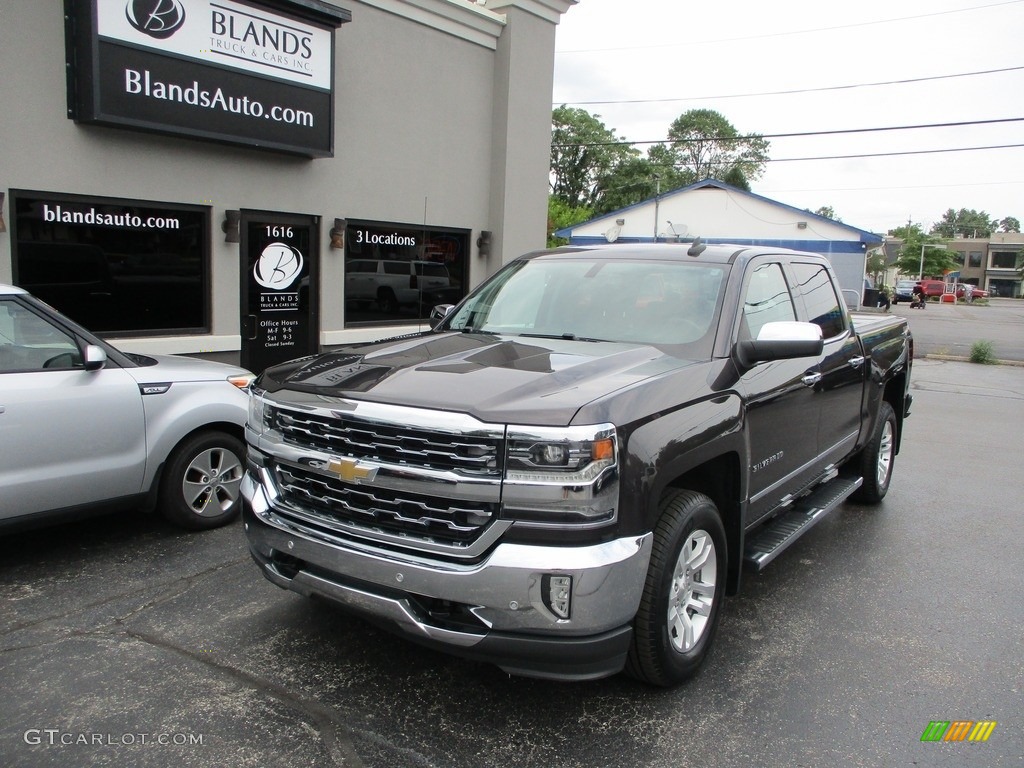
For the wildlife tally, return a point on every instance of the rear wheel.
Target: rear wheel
(681, 602)
(387, 301)
(201, 485)
(876, 459)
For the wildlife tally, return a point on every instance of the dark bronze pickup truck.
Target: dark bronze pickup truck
(569, 473)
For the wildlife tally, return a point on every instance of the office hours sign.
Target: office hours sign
(279, 319)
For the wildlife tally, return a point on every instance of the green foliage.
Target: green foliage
(583, 151)
(876, 267)
(1009, 224)
(982, 352)
(828, 212)
(639, 178)
(709, 147)
(562, 215)
(964, 223)
(937, 258)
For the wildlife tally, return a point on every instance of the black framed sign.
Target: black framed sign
(258, 73)
(280, 286)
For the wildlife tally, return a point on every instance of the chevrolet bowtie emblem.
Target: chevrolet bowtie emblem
(350, 471)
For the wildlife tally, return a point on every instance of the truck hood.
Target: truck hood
(497, 379)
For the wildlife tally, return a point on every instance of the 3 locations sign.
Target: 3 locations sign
(256, 73)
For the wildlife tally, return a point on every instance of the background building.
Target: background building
(720, 213)
(192, 176)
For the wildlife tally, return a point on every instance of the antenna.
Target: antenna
(697, 248)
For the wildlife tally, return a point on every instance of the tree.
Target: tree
(583, 150)
(708, 146)
(964, 223)
(828, 212)
(639, 178)
(1009, 224)
(562, 215)
(923, 255)
(876, 267)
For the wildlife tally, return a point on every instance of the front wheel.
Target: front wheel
(201, 486)
(877, 457)
(681, 602)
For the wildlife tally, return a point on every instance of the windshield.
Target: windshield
(647, 302)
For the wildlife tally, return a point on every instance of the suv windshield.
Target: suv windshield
(638, 301)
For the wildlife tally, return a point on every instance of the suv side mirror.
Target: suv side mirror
(95, 357)
(780, 341)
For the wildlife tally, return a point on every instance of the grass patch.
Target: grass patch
(982, 353)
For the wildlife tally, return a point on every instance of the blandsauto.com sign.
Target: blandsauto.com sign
(259, 74)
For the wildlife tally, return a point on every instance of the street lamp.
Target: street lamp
(920, 271)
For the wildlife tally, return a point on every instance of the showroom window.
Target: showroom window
(400, 272)
(1004, 260)
(118, 267)
(975, 259)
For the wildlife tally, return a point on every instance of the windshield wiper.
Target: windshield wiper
(567, 336)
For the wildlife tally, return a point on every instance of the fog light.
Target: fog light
(558, 595)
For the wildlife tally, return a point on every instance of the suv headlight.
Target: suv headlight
(256, 419)
(561, 476)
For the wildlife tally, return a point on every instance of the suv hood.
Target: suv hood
(497, 379)
(169, 368)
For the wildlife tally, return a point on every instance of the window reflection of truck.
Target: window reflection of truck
(396, 284)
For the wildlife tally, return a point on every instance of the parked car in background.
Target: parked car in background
(86, 426)
(976, 292)
(904, 291)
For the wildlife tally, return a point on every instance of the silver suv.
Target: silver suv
(84, 425)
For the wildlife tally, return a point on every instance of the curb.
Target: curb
(961, 359)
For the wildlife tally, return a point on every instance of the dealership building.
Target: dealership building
(265, 178)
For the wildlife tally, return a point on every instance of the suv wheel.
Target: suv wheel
(200, 488)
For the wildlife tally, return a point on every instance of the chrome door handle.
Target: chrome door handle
(810, 379)
(856, 362)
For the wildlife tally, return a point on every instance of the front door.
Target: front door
(280, 288)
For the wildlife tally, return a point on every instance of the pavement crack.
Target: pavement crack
(334, 733)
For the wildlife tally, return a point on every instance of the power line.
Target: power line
(802, 134)
(794, 91)
(894, 154)
(691, 42)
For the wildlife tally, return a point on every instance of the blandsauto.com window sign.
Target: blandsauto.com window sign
(256, 73)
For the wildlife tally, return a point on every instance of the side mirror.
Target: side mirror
(94, 358)
(780, 341)
(439, 313)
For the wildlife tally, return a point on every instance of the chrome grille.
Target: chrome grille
(342, 435)
(331, 501)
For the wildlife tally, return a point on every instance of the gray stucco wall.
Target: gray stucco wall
(430, 128)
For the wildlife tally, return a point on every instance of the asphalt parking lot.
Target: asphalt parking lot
(124, 642)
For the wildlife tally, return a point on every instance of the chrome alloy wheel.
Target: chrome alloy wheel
(692, 593)
(212, 481)
(886, 451)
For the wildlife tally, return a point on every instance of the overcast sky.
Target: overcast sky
(787, 67)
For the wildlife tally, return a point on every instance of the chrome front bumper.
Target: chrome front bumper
(503, 616)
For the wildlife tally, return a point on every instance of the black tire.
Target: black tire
(387, 301)
(200, 488)
(681, 606)
(876, 459)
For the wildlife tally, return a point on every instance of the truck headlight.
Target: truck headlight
(559, 455)
(562, 477)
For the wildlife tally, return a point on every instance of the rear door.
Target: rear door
(67, 436)
(839, 390)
